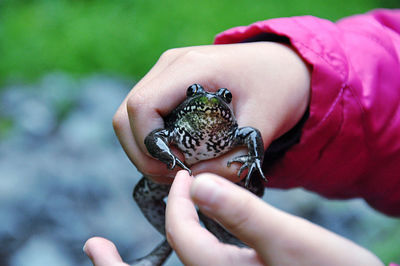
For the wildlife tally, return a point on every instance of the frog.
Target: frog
(202, 127)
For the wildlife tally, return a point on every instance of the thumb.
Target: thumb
(277, 237)
(239, 211)
(102, 252)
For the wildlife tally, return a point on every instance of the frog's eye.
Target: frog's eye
(194, 89)
(225, 94)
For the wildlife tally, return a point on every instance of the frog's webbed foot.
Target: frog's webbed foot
(157, 145)
(252, 163)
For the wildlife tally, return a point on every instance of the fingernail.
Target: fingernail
(205, 190)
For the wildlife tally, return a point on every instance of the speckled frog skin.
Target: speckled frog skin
(203, 127)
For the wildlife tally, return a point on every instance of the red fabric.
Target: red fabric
(350, 144)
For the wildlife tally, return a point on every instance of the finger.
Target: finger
(242, 213)
(147, 165)
(180, 208)
(166, 59)
(102, 252)
(194, 244)
(277, 237)
(148, 104)
(219, 165)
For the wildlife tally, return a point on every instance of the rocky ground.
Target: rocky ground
(64, 178)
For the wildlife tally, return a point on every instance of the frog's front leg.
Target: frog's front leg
(157, 145)
(253, 159)
(150, 198)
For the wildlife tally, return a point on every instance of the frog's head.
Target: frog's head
(198, 96)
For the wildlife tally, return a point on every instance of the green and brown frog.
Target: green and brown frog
(203, 127)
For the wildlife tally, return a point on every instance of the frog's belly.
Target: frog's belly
(200, 150)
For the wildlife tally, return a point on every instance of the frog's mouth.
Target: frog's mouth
(210, 106)
(211, 101)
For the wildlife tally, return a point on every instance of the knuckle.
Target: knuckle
(118, 121)
(193, 55)
(169, 54)
(135, 102)
(240, 222)
(241, 216)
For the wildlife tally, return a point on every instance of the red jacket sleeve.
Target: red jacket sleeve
(350, 144)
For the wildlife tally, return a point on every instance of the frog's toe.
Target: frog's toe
(171, 164)
(250, 171)
(183, 166)
(256, 165)
(259, 168)
(242, 168)
(243, 159)
(249, 162)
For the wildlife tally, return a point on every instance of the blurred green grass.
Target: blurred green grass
(389, 249)
(126, 37)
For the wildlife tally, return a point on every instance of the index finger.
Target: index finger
(150, 102)
(143, 109)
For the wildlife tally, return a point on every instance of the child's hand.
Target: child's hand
(269, 83)
(274, 237)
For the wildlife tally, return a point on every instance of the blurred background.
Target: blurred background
(65, 66)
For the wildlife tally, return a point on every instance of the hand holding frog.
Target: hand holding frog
(269, 81)
(204, 126)
(274, 237)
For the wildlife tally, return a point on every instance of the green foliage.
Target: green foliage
(388, 250)
(127, 37)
